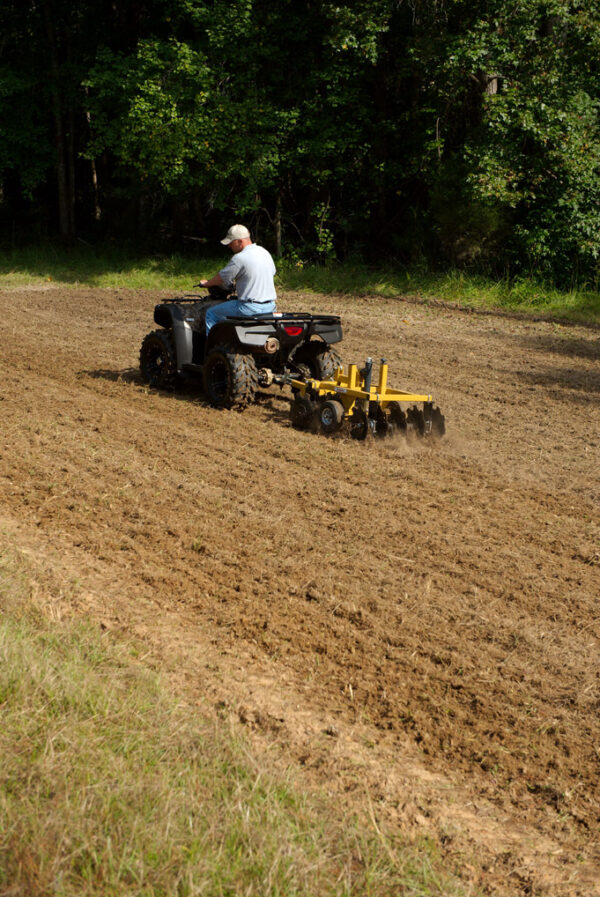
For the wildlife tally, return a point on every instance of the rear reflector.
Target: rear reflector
(292, 330)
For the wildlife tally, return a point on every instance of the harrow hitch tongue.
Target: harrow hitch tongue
(368, 409)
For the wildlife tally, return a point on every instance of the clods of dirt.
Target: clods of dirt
(421, 617)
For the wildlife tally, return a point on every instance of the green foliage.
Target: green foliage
(456, 133)
(532, 148)
(324, 234)
(150, 110)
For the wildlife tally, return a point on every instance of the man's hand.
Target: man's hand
(213, 282)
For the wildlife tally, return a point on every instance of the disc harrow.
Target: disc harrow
(366, 408)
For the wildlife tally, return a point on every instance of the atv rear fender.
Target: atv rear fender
(288, 328)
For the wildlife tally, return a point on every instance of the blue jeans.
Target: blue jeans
(217, 313)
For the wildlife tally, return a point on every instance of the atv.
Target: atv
(240, 354)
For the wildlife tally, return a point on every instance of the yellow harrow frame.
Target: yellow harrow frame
(369, 407)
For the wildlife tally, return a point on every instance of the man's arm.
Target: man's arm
(226, 276)
(216, 281)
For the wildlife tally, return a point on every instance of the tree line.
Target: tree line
(439, 132)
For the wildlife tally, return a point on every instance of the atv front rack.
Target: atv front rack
(369, 408)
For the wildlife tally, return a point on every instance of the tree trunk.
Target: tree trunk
(278, 247)
(95, 191)
(70, 149)
(94, 171)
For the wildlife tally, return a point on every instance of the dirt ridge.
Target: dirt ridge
(419, 617)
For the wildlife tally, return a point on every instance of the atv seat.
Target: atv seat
(200, 312)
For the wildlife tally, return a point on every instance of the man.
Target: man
(252, 269)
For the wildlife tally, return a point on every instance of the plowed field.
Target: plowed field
(416, 625)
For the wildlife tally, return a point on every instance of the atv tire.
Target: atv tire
(158, 361)
(320, 359)
(230, 377)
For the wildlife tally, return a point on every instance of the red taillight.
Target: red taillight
(292, 330)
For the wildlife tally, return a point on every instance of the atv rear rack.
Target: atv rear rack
(275, 316)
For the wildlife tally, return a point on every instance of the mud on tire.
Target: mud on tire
(320, 359)
(230, 377)
(158, 361)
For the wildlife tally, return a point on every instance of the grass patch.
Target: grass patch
(108, 267)
(526, 295)
(108, 786)
(115, 267)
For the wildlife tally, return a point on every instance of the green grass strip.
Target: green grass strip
(109, 787)
(114, 267)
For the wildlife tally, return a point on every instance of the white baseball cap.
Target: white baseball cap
(236, 232)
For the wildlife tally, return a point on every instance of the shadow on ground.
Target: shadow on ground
(569, 347)
(274, 406)
(127, 375)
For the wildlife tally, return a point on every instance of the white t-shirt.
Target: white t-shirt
(252, 270)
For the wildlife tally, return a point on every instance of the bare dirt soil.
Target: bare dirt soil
(415, 626)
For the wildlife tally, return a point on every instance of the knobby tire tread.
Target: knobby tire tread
(322, 360)
(243, 378)
(163, 341)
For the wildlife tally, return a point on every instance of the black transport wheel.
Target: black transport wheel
(230, 378)
(302, 412)
(331, 415)
(158, 361)
(319, 359)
